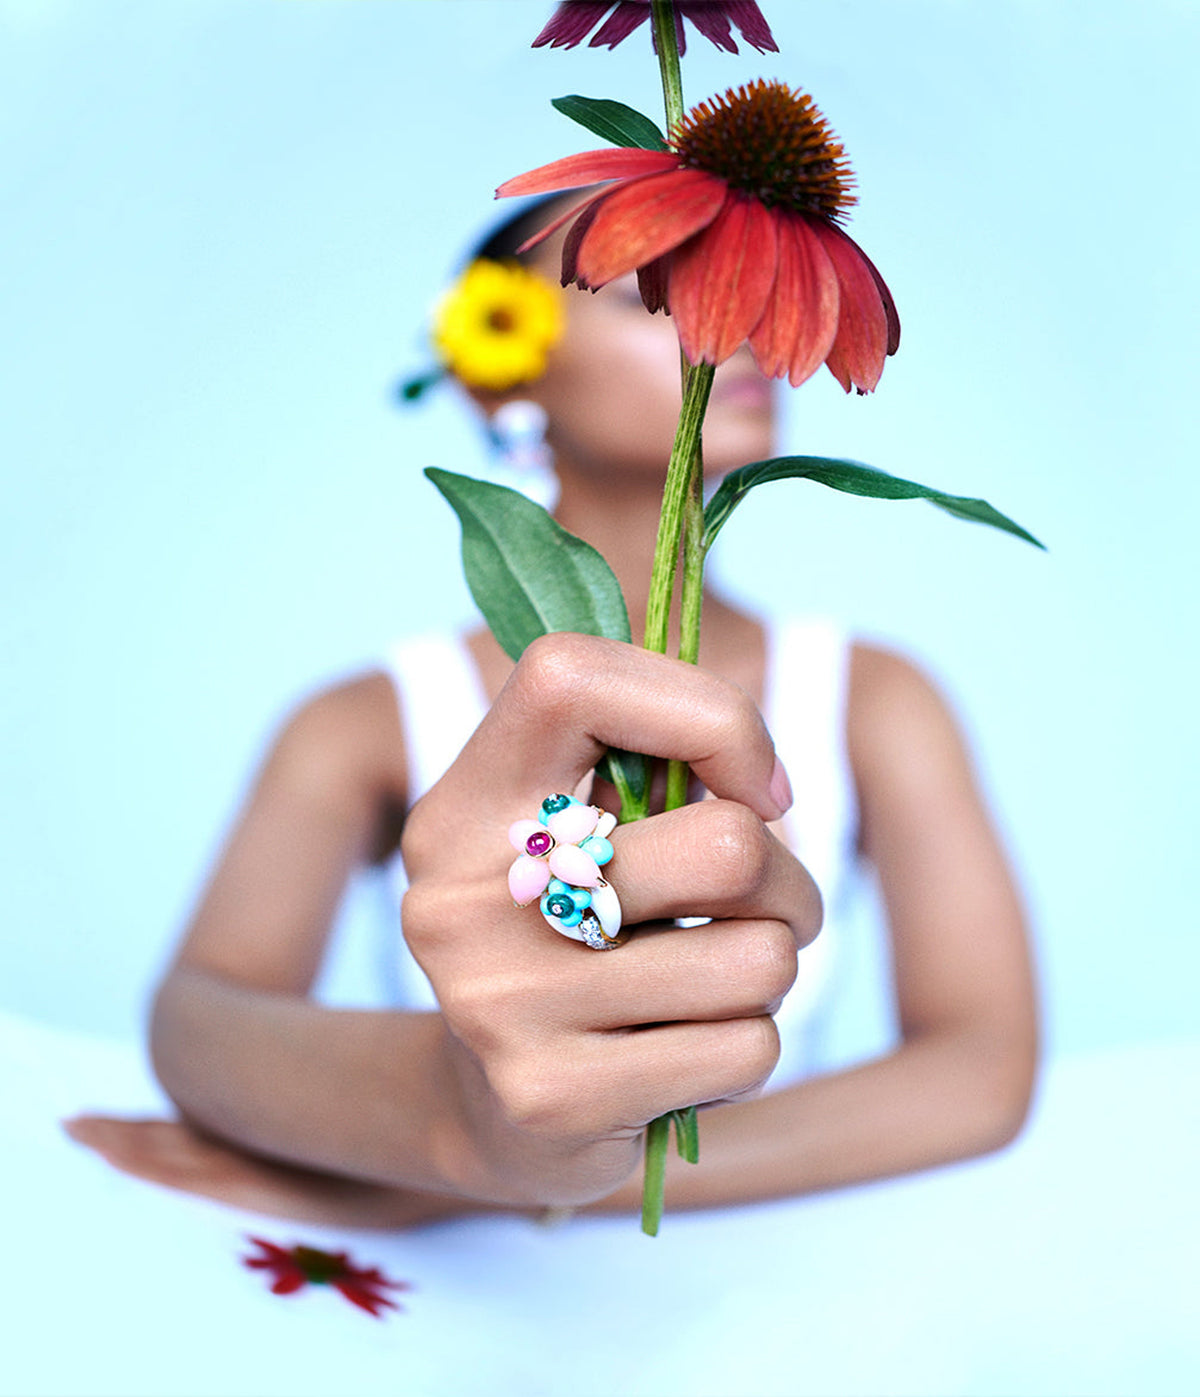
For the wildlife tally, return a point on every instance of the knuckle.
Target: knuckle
(809, 914)
(771, 958)
(553, 670)
(428, 912)
(737, 849)
(420, 839)
(756, 1045)
(532, 1096)
(735, 721)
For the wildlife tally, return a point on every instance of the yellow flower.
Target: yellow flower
(494, 328)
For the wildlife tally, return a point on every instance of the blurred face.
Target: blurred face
(612, 392)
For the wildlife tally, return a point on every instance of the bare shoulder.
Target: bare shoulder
(346, 741)
(905, 745)
(894, 704)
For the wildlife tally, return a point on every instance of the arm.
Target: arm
(235, 1040)
(960, 1080)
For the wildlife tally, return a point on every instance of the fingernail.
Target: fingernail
(781, 788)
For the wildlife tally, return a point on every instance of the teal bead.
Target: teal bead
(558, 905)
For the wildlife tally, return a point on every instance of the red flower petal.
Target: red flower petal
(889, 305)
(364, 1297)
(860, 348)
(272, 1251)
(589, 167)
(800, 322)
(720, 281)
(570, 248)
(645, 218)
(576, 211)
(653, 279)
(290, 1283)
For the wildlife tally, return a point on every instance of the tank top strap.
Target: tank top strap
(804, 703)
(442, 702)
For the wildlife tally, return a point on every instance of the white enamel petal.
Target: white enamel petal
(607, 907)
(572, 931)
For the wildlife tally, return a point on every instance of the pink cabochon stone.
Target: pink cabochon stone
(528, 878)
(519, 831)
(573, 866)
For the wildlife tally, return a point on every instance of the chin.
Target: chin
(724, 452)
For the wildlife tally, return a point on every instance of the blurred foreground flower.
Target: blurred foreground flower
(573, 20)
(734, 231)
(295, 1267)
(494, 327)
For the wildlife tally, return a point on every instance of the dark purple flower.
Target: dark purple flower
(573, 20)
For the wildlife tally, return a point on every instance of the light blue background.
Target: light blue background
(222, 227)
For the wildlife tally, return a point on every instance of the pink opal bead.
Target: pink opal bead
(528, 878)
(520, 830)
(571, 825)
(573, 866)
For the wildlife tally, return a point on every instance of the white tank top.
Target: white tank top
(442, 701)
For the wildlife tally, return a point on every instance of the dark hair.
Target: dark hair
(500, 243)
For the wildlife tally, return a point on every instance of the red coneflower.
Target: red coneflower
(295, 1267)
(573, 20)
(734, 230)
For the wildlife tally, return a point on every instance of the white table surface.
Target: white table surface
(1067, 1265)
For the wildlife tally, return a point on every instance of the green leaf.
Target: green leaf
(687, 1134)
(612, 121)
(853, 479)
(529, 577)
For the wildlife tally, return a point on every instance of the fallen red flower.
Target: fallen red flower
(573, 20)
(734, 230)
(295, 1267)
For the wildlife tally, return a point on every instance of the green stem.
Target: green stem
(685, 458)
(681, 522)
(691, 601)
(658, 1134)
(662, 17)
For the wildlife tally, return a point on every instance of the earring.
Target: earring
(521, 459)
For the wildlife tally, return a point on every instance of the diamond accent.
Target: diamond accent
(590, 930)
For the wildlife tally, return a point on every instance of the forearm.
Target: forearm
(937, 1098)
(360, 1093)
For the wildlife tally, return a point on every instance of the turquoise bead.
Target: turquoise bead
(600, 849)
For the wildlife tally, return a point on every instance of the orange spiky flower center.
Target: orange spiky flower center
(772, 143)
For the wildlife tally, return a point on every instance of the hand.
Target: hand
(560, 1054)
(175, 1155)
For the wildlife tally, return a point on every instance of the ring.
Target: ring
(559, 857)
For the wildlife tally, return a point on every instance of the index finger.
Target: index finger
(573, 696)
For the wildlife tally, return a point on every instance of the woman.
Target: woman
(528, 1081)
